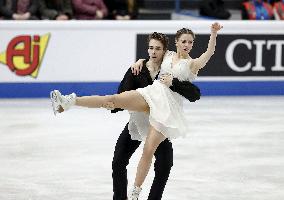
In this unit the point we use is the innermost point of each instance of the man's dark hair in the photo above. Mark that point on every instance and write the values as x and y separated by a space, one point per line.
160 37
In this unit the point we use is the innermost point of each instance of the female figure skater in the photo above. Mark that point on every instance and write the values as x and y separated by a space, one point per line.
125 145
163 105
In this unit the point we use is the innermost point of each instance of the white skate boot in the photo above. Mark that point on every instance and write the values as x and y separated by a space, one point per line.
134 194
60 101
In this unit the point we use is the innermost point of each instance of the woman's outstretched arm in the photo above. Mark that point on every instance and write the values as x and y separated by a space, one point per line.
200 62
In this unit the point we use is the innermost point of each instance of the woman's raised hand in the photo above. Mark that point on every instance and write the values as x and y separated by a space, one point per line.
216 27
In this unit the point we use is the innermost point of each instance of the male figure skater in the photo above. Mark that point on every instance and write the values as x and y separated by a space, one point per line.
125 146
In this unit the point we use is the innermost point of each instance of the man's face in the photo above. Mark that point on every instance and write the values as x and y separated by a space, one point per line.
156 50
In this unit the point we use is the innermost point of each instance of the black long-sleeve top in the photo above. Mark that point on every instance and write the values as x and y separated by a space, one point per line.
143 79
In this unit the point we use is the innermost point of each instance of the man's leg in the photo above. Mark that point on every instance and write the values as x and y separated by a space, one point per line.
162 166
124 149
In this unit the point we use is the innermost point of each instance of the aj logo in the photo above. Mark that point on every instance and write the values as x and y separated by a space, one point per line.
24 54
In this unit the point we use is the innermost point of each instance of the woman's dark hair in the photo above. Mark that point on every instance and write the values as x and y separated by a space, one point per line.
160 37
184 31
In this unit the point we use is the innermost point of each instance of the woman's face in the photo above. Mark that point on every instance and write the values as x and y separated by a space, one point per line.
184 43
156 50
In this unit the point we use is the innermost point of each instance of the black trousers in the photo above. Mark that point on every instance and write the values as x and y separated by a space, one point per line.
124 149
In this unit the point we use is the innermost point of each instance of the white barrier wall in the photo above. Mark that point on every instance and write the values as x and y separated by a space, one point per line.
80 52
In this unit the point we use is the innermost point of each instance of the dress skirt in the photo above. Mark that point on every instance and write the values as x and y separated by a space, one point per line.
166 113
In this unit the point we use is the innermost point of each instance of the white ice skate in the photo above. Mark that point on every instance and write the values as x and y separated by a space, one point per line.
135 193
61 101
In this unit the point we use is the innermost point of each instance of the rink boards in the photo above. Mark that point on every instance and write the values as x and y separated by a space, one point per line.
92 57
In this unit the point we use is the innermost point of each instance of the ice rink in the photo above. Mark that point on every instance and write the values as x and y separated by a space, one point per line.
234 151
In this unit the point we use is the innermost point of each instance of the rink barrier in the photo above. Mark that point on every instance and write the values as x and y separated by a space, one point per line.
208 88
91 57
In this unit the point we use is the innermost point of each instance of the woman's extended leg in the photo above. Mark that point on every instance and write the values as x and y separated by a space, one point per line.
152 142
129 100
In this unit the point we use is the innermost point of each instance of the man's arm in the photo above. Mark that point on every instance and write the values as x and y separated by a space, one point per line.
185 88
133 82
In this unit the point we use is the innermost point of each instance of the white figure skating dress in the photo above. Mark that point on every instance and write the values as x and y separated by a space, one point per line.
166 107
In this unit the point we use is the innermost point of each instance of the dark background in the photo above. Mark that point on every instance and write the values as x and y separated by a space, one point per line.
217 66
